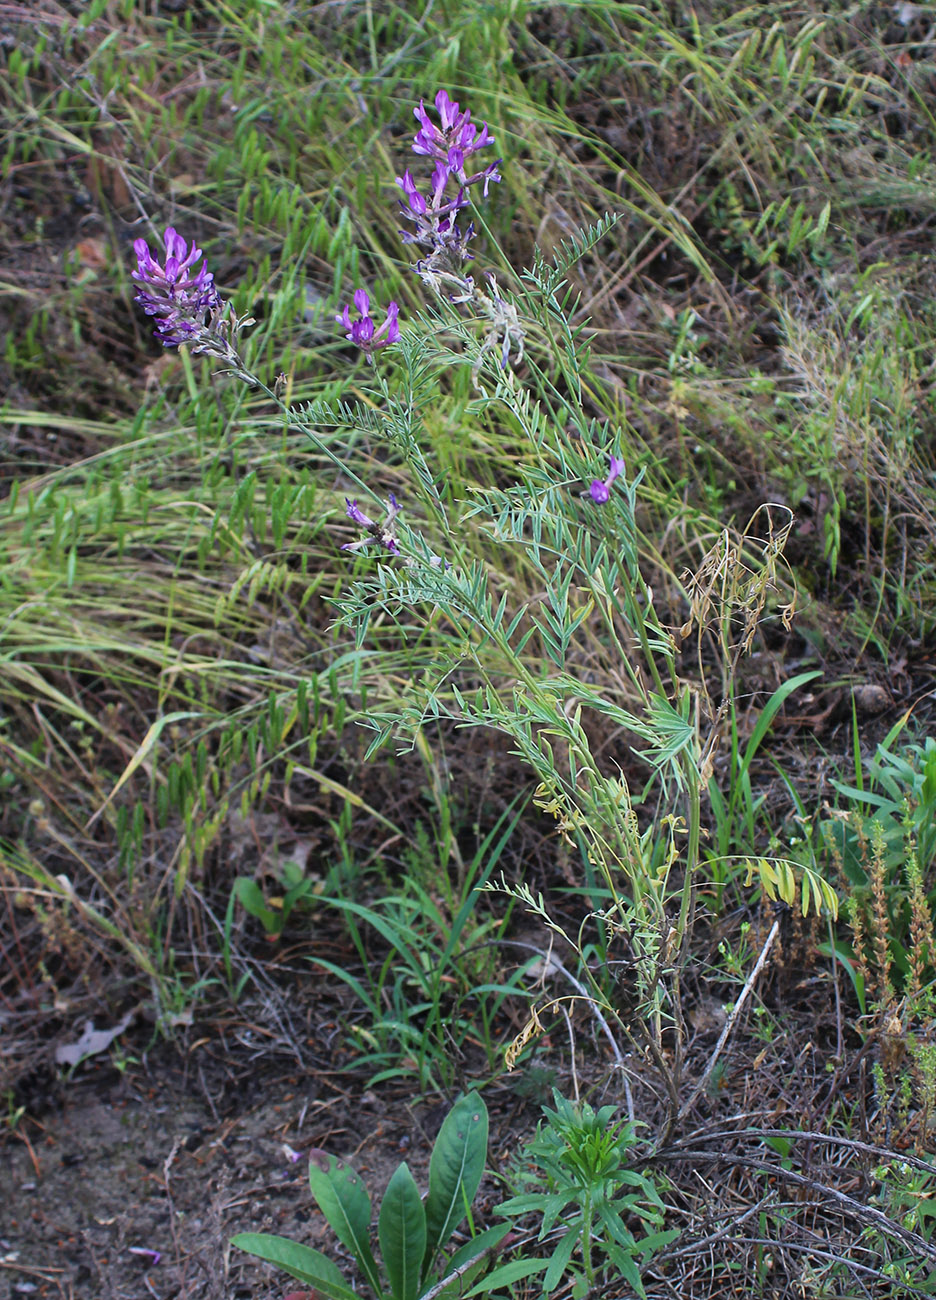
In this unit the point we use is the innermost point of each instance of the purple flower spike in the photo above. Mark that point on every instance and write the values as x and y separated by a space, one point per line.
174 292
381 533
456 141
362 332
599 491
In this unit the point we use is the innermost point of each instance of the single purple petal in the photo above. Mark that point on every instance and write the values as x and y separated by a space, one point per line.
447 110
618 467
389 327
423 118
145 263
154 1255
440 178
362 301
414 198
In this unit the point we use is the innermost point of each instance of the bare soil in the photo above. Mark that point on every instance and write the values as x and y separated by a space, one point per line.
176 1154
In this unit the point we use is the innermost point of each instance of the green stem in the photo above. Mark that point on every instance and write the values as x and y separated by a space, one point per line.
587 1216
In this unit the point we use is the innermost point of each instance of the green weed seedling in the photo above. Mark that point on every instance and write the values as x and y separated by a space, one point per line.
577 1172
412 1232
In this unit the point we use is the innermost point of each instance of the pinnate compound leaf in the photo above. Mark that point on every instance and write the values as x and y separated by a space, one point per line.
343 1199
455 1169
301 1262
402 1232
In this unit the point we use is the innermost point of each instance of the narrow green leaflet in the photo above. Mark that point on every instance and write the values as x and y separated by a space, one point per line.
559 1261
402 1232
301 1262
515 1271
472 1251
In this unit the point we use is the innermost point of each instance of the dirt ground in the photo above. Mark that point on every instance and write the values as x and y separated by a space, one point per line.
132 1183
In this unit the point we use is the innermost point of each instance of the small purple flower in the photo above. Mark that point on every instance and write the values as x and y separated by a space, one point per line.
451 142
457 139
434 219
600 492
381 533
362 332
174 291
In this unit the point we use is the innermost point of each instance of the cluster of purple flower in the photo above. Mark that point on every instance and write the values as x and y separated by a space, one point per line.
451 145
175 292
188 307
186 302
362 331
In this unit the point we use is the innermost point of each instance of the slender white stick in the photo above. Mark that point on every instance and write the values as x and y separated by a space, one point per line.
730 1022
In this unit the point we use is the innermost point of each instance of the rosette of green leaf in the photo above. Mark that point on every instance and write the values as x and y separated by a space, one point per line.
412 1233
578 1171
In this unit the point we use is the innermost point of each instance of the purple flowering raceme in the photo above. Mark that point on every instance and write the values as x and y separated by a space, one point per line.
600 491
383 533
174 291
434 220
434 217
457 140
363 331
186 302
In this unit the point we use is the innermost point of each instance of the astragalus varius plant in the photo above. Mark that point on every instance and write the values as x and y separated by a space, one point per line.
591 654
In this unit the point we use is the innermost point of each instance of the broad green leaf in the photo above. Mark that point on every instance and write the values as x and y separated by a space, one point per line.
455 1170
343 1199
402 1232
301 1262
786 882
250 896
553 1205
769 712
614 1227
841 952
822 892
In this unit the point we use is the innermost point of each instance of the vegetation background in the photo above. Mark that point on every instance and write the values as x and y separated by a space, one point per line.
194 851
